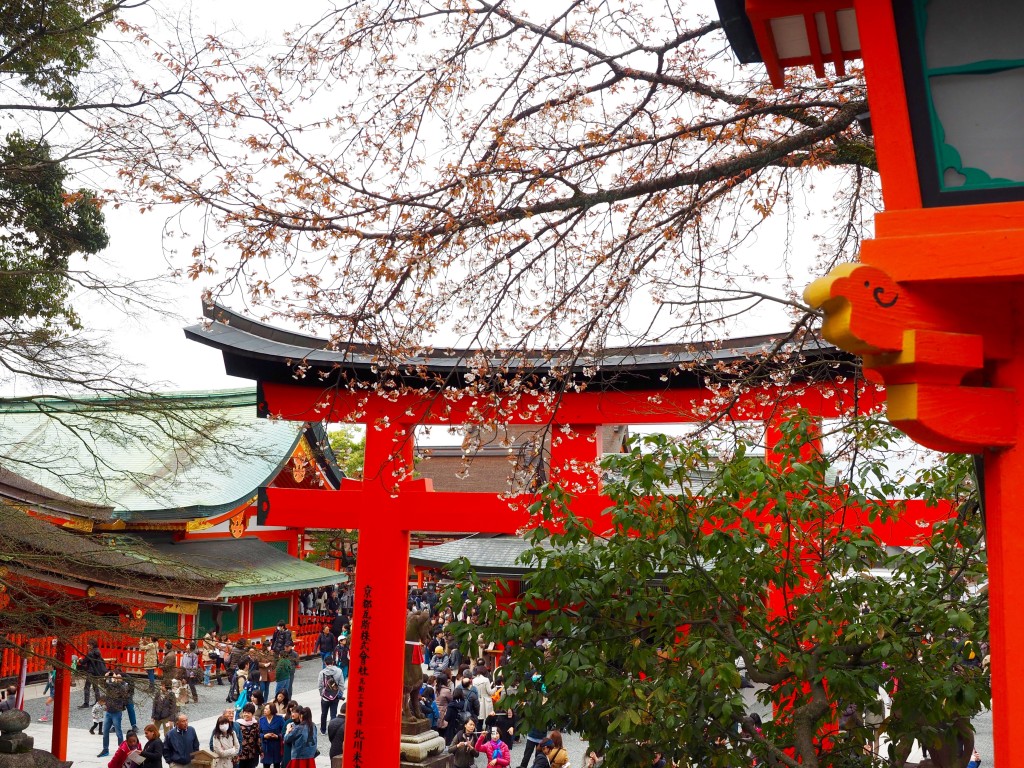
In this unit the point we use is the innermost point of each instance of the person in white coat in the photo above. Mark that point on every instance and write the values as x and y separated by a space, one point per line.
225 743
482 683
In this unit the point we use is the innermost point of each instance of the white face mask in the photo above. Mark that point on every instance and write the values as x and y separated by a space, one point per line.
224 727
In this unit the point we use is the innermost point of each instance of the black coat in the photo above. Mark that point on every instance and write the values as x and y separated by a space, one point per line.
94 663
280 639
337 624
154 753
326 643
336 733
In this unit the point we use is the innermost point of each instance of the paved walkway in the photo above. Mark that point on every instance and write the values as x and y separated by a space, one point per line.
83 747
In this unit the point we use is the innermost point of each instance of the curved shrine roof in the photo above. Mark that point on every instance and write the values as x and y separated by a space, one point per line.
258 351
165 457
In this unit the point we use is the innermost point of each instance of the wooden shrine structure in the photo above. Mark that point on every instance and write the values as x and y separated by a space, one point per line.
300 378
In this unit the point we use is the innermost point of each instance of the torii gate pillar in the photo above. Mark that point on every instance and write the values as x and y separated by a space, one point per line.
385 507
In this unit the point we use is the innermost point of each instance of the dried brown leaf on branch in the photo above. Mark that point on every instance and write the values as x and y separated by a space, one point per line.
503 174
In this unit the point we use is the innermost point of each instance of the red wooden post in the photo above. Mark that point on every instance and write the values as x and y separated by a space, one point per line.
1004 543
378 617
61 702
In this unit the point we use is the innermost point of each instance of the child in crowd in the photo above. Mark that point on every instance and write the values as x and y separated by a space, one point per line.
48 712
98 710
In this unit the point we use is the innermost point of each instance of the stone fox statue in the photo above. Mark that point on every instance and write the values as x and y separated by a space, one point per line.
417 633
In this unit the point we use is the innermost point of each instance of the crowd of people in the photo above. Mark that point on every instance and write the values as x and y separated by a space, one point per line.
466 700
278 732
326 601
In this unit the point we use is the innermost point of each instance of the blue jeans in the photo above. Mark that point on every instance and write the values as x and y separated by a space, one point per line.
151 674
111 720
325 656
344 670
130 709
283 685
265 687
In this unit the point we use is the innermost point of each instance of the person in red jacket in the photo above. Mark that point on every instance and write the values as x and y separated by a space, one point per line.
496 750
130 744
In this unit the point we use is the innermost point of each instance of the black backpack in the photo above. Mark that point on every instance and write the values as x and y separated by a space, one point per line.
331 688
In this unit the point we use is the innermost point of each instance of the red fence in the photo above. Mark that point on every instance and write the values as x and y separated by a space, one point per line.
122 651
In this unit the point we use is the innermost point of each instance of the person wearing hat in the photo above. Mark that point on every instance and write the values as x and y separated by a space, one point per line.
494 749
540 759
439 662
343 655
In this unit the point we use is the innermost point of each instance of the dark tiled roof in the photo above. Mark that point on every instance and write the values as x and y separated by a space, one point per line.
258 351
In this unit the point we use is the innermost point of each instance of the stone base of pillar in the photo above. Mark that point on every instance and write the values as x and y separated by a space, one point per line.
424 749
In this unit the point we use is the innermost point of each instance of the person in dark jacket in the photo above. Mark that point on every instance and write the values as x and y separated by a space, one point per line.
454 715
181 743
129 700
505 721
94 668
336 733
282 636
338 624
534 737
238 659
153 751
343 656
326 644
540 758
116 695
165 707
463 747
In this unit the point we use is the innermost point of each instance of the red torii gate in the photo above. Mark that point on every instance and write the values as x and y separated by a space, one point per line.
388 504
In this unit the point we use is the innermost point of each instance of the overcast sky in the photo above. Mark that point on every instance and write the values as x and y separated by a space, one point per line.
155 342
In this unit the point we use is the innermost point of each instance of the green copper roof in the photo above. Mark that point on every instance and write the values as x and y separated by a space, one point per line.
267 568
156 457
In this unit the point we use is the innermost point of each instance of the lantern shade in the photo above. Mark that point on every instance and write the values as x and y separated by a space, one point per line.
963 65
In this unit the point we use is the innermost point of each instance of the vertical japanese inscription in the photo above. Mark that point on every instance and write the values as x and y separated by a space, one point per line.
363 667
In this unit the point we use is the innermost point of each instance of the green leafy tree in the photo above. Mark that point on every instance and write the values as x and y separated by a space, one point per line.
754 567
44 49
349 446
46 44
42 226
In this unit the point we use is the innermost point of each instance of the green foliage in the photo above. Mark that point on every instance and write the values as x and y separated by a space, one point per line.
45 47
46 44
41 227
349 446
764 563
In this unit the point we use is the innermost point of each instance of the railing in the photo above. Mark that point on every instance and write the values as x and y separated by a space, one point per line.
37 650
122 651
